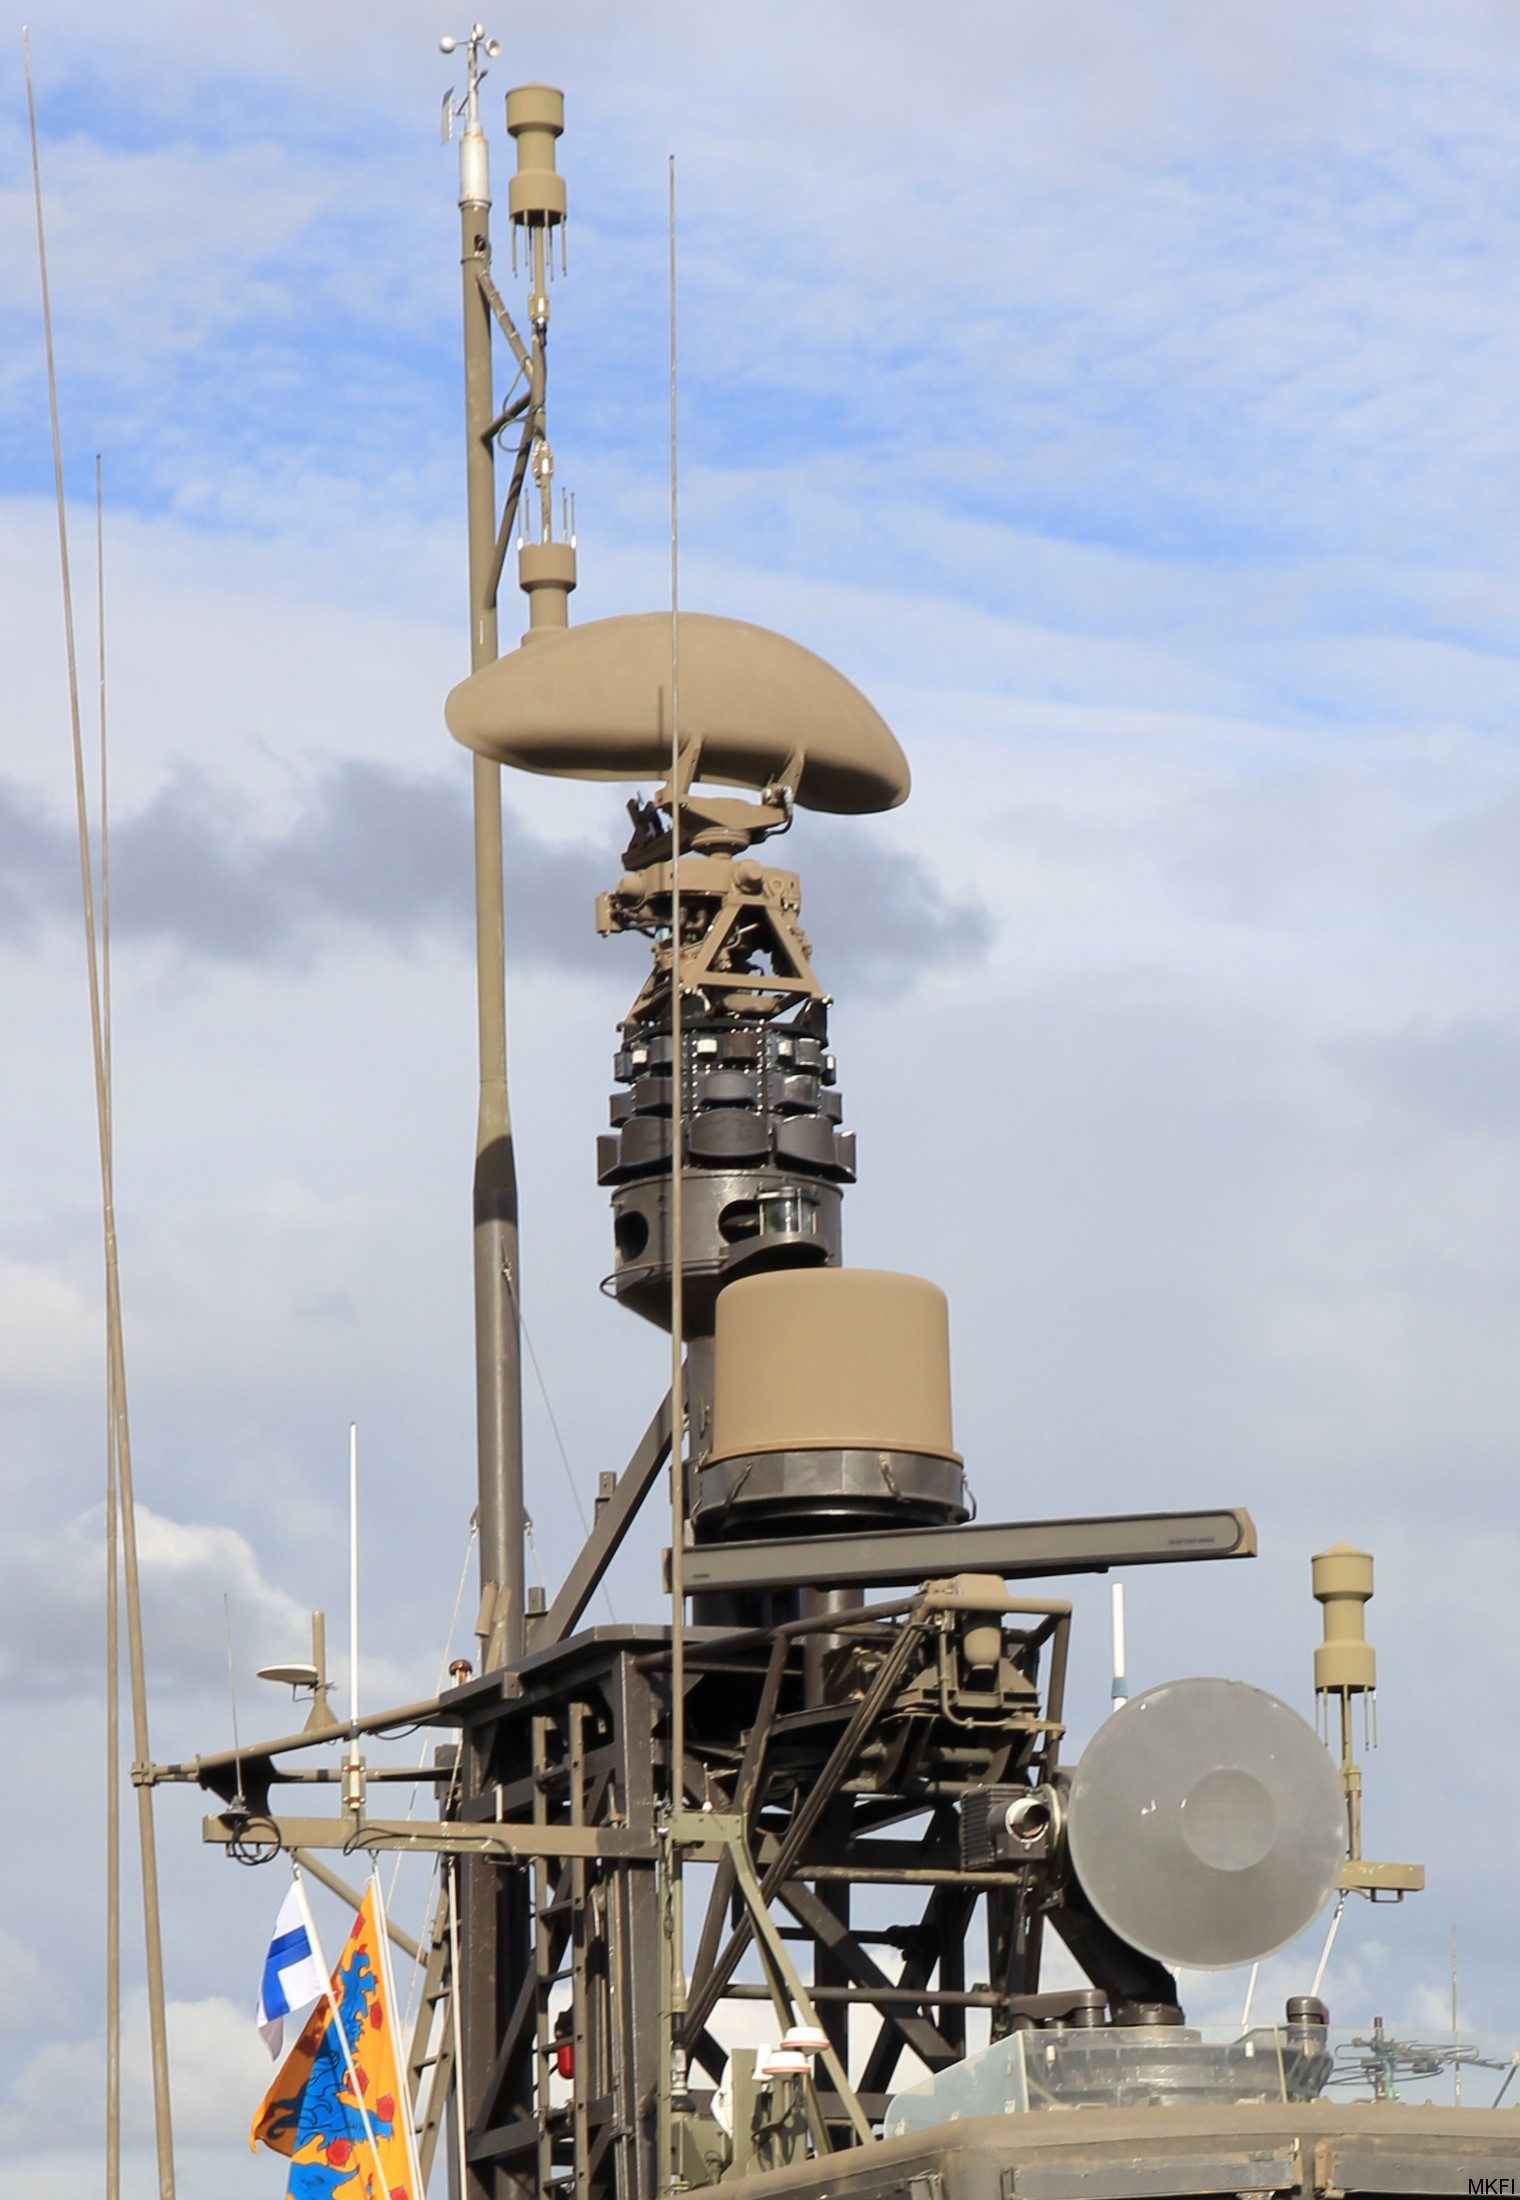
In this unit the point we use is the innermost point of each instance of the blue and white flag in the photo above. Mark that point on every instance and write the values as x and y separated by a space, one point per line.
293 1974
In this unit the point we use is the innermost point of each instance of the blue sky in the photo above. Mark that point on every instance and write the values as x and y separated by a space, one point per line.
1124 397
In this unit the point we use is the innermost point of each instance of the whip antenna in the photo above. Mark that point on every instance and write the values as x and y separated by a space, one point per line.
113 1535
674 1927
117 1386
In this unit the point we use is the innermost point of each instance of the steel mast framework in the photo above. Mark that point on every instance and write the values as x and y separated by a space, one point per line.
836 1747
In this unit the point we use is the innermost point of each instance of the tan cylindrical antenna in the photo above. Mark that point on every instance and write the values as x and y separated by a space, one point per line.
536 204
1345 1663
546 575
535 118
1345 1666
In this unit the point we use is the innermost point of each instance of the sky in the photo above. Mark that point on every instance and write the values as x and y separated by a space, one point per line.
1123 397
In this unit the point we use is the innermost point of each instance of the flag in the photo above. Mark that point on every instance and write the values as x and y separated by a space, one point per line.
293 1974
338 2107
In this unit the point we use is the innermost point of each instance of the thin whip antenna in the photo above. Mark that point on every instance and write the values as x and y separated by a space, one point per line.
677 1098
113 1536
353 1578
237 1748
677 1235
163 2133
105 805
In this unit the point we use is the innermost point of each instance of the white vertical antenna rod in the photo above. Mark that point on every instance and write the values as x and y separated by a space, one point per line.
1120 1690
353 1574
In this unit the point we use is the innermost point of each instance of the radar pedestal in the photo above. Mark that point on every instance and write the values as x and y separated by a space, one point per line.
761 1145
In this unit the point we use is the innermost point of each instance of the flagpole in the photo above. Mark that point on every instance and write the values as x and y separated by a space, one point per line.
332 2002
388 1987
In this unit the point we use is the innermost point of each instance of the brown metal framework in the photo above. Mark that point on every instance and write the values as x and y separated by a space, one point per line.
827 1758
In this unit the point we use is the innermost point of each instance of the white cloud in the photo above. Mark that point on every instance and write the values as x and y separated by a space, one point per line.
218 2071
26 1998
53 1601
50 1332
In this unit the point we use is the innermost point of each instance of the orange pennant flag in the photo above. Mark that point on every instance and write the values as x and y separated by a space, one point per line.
338 2107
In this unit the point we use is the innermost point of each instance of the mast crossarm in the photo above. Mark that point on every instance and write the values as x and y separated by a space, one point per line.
502 1843
207 1771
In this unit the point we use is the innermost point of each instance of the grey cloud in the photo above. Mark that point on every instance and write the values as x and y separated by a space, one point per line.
390 852
876 914
375 847
1461 1076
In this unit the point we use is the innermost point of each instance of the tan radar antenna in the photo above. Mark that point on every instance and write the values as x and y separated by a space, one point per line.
1345 1667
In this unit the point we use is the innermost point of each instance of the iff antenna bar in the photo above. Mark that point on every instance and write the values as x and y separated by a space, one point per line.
1016 1550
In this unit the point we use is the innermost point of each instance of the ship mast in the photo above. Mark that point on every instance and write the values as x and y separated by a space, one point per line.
535 117
800 1744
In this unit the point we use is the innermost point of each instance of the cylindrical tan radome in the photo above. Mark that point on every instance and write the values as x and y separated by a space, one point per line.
1345 1662
536 117
546 574
832 1359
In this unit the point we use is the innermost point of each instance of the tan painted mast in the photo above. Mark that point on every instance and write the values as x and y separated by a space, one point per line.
498 1355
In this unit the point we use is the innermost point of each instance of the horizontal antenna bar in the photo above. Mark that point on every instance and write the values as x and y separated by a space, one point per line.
1016 1550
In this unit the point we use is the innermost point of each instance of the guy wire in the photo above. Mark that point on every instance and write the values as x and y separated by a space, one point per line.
116 1377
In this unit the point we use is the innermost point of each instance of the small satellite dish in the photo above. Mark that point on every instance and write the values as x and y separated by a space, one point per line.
290 1676
1206 1823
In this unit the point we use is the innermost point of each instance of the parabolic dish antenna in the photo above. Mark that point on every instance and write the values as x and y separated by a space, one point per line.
1206 1823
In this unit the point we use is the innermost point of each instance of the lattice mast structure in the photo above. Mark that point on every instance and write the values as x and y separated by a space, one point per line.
870 1782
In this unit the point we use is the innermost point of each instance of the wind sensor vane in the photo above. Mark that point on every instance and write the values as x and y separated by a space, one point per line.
474 44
